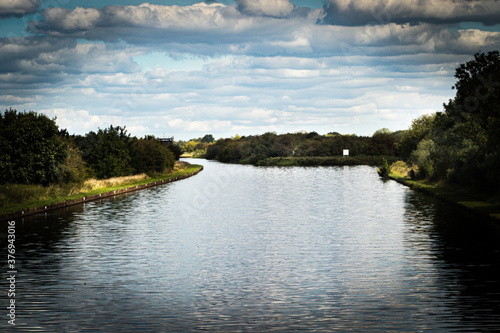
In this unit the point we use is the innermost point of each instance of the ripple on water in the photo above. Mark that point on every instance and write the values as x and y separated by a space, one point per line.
239 248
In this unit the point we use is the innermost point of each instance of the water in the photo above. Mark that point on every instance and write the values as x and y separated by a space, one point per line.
245 249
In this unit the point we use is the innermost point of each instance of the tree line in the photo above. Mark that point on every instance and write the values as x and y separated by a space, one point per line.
253 149
35 151
461 145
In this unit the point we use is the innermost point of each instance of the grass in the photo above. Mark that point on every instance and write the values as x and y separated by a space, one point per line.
462 197
14 197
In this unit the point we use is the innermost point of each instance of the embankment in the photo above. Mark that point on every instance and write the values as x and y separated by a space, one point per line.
482 206
46 205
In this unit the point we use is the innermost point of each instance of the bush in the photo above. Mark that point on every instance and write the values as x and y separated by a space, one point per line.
150 155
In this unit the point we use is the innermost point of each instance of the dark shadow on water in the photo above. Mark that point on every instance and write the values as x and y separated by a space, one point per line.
466 251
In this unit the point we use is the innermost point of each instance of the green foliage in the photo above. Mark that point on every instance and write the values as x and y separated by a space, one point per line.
189 146
461 145
420 129
424 157
73 169
150 155
255 149
176 150
208 138
382 143
32 149
383 131
385 170
107 152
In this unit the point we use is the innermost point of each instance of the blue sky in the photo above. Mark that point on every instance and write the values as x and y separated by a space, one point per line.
188 68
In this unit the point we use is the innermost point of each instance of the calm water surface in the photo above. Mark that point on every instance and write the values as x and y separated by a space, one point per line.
246 249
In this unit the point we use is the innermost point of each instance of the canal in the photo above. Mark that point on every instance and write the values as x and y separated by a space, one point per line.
258 249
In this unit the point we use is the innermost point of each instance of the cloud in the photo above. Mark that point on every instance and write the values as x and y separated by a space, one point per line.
275 8
18 7
49 59
362 12
264 66
216 29
199 29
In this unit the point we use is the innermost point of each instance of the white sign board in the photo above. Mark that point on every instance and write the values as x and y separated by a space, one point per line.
346 152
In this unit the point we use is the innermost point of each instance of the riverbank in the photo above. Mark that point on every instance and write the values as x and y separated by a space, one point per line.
481 204
31 199
326 161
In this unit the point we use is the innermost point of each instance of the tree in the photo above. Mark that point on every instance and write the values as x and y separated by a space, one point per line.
462 144
176 150
208 138
73 169
32 149
420 129
190 146
107 152
149 156
423 157
382 143
473 118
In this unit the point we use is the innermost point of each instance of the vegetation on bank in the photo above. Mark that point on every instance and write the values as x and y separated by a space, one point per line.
455 154
42 164
302 148
35 151
468 198
16 197
460 147
196 148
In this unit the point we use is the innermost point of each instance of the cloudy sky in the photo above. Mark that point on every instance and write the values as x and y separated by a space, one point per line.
188 68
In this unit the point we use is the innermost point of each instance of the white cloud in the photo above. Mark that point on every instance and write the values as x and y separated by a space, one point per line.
18 7
259 66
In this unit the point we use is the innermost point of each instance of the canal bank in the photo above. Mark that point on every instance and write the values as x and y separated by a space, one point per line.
457 198
47 205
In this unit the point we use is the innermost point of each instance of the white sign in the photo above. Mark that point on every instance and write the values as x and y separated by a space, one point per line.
346 152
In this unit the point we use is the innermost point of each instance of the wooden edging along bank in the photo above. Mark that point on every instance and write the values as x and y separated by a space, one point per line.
66 203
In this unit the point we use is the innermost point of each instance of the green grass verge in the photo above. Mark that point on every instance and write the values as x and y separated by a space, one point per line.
465 198
22 197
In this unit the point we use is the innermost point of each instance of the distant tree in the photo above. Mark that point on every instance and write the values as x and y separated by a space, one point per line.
383 131
190 146
382 143
31 148
208 138
311 135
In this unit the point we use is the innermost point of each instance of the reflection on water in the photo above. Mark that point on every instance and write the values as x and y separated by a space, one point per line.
239 248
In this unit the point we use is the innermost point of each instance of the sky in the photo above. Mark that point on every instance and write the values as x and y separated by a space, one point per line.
247 67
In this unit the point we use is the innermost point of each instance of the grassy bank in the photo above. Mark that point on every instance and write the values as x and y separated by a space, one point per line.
325 161
465 198
15 198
